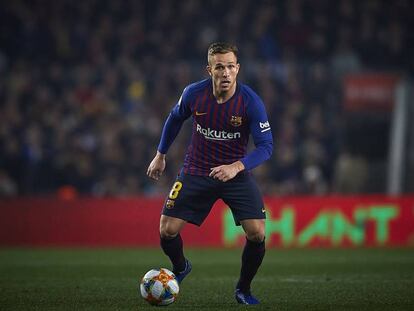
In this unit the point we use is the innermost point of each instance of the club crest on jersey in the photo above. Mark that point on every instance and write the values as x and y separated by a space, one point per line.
236 121
169 204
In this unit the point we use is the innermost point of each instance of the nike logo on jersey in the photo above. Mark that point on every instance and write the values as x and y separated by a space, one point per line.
200 113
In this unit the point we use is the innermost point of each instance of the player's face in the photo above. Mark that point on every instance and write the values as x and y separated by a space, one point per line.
223 69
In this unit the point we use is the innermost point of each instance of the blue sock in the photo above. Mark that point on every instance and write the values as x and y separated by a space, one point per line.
252 258
173 248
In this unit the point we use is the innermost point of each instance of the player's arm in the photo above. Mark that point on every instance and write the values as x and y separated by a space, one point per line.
171 128
261 133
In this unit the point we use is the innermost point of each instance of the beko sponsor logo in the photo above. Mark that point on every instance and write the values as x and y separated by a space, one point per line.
265 126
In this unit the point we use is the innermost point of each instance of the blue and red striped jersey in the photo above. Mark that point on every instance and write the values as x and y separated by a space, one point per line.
220 132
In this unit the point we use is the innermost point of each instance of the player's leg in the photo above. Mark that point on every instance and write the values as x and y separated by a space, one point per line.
189 201
171 242
245 201
253 252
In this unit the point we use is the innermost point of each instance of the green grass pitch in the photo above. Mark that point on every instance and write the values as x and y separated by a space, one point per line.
294 279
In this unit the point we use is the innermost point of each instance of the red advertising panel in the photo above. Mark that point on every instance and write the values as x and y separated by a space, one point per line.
369 92
373 221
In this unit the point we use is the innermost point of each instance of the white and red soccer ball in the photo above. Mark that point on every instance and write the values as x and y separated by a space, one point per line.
159 287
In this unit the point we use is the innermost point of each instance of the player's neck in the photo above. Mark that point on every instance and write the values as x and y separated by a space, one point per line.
222 97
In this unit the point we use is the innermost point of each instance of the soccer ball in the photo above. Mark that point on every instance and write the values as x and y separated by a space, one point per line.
159 287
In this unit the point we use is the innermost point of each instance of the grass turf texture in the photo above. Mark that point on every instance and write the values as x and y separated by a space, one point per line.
297 279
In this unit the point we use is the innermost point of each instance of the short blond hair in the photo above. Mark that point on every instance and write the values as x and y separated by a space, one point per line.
221 48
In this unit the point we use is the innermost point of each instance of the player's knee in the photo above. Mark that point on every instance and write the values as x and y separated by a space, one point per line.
167 232
256 236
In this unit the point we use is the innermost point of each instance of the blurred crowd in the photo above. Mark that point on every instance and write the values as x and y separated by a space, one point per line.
85 86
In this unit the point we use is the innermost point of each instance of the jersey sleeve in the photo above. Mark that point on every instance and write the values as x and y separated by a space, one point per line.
175 120
261 132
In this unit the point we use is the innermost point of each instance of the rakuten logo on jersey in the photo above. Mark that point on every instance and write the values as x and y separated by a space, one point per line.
264 126
208 133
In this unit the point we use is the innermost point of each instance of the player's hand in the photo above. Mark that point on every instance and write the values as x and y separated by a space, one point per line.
157 166
226 172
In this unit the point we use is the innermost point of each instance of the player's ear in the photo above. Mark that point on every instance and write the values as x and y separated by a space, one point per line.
208 68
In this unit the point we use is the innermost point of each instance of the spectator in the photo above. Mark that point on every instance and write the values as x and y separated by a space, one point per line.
85 86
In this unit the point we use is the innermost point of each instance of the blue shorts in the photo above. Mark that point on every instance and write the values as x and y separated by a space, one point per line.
192 197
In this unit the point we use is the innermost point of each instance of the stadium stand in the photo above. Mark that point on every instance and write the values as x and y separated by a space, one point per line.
85 86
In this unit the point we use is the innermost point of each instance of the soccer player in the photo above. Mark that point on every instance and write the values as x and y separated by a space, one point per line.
216 166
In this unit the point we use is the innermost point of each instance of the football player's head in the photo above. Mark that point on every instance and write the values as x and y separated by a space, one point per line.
223 66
